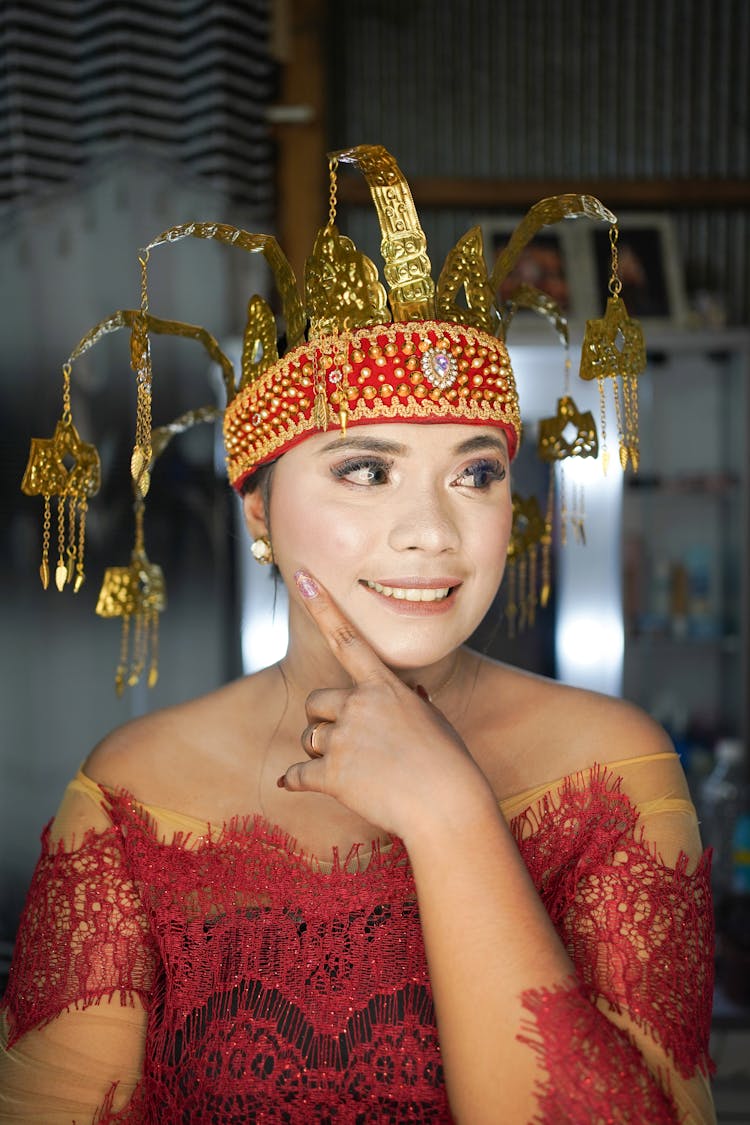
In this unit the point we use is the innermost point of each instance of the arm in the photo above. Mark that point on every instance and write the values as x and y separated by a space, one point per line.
622 1034
74 1015
504 977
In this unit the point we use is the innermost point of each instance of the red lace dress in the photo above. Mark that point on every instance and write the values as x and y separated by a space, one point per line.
166 972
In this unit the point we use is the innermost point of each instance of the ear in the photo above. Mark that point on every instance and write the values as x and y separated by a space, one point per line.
255 513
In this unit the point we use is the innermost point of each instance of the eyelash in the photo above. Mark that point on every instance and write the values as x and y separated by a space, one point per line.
492 469
355 464
495 470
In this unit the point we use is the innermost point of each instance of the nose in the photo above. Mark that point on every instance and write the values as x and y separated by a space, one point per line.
423 521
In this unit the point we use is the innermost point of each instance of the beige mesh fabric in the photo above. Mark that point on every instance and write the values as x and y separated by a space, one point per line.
65 1070
657 788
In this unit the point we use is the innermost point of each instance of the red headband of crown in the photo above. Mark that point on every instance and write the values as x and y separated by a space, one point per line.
421 371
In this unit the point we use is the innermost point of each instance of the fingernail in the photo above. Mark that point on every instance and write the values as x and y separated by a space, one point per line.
306 585
281 782
422 692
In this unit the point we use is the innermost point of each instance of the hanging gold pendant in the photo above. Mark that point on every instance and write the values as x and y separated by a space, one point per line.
613 348
137 594
613 345
568 433
528 531
320 410
139 468
66 467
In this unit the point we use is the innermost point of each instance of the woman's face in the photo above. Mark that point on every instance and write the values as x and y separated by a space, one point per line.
406 525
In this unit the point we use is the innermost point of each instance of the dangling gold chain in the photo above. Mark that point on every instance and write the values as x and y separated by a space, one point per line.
140 360
615 285
333 163
603 424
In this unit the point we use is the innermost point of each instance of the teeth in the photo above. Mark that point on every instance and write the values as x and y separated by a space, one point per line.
410 594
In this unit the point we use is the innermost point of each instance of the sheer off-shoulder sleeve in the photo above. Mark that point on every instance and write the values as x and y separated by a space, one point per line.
617 858
73 1017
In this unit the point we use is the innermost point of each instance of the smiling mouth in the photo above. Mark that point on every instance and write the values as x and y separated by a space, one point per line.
411 593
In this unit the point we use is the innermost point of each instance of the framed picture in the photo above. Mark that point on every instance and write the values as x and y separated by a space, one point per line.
550 262
649 268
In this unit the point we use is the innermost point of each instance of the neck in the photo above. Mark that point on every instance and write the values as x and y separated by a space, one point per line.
308 666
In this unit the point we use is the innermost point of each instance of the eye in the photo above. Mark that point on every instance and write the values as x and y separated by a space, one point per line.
364 471
481 473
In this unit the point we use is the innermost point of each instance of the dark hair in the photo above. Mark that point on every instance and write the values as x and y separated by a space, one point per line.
260 481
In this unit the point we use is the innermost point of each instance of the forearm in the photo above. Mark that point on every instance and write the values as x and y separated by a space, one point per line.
66 1070
516 1031
488 940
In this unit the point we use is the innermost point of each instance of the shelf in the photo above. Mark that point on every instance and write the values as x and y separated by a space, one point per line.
729 642
709 484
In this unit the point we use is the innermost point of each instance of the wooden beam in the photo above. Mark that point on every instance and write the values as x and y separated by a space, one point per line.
495 195
300 132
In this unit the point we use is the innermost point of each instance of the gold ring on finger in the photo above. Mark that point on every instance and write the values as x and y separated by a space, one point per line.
313 751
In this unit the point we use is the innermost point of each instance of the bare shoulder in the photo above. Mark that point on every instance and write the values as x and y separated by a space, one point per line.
535 730
170 756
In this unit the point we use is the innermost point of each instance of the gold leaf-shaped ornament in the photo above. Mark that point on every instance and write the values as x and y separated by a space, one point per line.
259 346
342 286
465 269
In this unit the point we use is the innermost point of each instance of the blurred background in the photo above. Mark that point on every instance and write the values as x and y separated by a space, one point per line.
122 120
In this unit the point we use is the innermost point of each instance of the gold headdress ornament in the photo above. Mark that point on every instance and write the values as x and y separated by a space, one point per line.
355 353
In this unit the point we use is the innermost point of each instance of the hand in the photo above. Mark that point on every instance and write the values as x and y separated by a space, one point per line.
378 747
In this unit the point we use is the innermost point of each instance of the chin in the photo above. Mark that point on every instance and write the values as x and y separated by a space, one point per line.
409 647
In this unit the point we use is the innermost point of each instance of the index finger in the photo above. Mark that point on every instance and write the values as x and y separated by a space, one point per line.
349 647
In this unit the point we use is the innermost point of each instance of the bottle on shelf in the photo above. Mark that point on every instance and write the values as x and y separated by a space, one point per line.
723 797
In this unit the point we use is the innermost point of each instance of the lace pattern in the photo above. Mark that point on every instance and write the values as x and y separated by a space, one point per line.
639 933
281 993
286 994
593 1073
82 935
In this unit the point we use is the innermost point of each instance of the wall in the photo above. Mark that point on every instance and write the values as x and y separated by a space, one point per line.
558 89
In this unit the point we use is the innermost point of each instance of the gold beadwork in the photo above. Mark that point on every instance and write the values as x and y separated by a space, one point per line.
325 357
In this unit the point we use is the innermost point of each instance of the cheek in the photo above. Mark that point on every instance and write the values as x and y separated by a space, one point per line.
308 532
491 538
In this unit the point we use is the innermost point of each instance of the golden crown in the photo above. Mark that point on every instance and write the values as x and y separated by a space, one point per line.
353 354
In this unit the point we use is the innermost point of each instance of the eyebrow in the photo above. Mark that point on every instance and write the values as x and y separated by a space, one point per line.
373 445
481 441
396 449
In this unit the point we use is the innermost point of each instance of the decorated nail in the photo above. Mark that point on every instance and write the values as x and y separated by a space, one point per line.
306 585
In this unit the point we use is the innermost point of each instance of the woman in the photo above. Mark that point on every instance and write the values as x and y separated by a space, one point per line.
387 879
